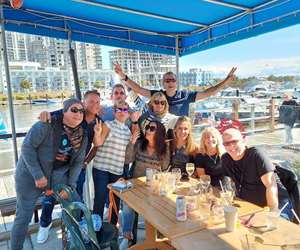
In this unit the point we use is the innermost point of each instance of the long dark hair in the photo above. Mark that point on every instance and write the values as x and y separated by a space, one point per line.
159 140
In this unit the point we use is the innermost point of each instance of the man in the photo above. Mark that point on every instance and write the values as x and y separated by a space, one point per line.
250 169
179 100
288 116
91 103
51 153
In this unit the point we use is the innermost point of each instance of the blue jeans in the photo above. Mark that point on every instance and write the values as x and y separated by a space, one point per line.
80 182
288 134
286 213
47 208
101 180
127 218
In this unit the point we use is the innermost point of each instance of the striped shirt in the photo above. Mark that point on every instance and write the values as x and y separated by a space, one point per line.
110 156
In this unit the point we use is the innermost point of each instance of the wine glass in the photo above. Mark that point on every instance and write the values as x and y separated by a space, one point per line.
205 181
190 168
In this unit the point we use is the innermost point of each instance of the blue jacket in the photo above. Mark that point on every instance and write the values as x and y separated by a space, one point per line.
38 154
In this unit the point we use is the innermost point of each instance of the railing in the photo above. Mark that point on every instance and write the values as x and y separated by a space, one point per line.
268 108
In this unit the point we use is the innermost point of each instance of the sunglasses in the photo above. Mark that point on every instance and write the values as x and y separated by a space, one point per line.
119 110
76 110
119 93
151 128
228 143
170 80
157 102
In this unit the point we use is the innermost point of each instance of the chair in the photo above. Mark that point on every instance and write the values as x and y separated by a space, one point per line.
72 212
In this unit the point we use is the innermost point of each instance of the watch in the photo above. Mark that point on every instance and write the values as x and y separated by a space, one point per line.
136 122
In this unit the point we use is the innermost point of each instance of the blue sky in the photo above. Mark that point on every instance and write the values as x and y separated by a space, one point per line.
276 52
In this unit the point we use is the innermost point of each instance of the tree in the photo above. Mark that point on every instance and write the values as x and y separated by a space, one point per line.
25 84
99 84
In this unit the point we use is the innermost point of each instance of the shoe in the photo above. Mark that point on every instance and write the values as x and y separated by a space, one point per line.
43 234
124 244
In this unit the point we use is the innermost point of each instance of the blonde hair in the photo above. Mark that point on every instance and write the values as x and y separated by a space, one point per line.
154 97
214 132
121 102
191 147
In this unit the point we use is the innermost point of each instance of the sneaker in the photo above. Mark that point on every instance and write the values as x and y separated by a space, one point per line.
43 234
124 244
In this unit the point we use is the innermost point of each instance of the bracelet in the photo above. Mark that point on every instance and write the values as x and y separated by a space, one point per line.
125 78
136 122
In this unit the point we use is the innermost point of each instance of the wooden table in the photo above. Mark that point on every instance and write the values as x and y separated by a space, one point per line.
160 214
286 236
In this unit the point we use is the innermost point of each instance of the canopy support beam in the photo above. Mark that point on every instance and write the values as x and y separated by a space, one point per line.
177 58
74 67
9 88
231 5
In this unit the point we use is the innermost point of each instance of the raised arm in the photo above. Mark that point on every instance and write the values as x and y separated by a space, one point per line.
269 181
131 84
215 89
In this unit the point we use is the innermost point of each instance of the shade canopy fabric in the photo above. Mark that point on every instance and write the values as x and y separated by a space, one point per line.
154 26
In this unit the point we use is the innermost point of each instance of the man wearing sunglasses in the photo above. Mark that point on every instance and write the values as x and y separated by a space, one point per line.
252 172
51 153
179 100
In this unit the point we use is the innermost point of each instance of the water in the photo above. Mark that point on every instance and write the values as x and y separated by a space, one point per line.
25 117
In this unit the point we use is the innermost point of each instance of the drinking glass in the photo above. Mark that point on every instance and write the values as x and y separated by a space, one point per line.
190 168
177 173
205 181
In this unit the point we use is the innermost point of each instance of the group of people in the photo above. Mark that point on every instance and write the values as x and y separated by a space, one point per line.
58 148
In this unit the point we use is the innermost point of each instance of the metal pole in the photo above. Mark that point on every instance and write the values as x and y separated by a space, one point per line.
177 60
9 89
74 68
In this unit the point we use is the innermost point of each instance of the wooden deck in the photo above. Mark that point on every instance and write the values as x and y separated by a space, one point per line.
271 142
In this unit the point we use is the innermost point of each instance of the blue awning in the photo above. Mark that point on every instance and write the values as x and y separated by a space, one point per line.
154 26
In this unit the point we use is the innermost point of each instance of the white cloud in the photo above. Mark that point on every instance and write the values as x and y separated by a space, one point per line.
262 67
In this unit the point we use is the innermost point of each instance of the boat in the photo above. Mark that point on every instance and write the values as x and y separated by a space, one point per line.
43 102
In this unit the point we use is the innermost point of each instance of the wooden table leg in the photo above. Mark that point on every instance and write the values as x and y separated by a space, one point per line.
151 240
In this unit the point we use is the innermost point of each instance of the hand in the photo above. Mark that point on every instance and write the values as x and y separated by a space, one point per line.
45 116
119 70
41 183
231 76
63 194
134 116
135 135
98 127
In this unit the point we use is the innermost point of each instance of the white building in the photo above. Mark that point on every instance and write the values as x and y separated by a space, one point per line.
50 78
143 67
195 77
51 52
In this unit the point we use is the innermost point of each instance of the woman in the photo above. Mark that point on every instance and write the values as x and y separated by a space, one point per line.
208 161
158 110
183 149
110 156
151 151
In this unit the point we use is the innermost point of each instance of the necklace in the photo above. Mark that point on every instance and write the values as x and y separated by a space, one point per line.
214 159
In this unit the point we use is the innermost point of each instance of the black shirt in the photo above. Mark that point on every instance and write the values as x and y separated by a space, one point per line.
64 151
212 166
247 173
179 158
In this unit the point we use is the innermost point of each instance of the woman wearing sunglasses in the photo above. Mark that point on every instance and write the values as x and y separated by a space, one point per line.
110 156
150 151
183 149
208 161
158 110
